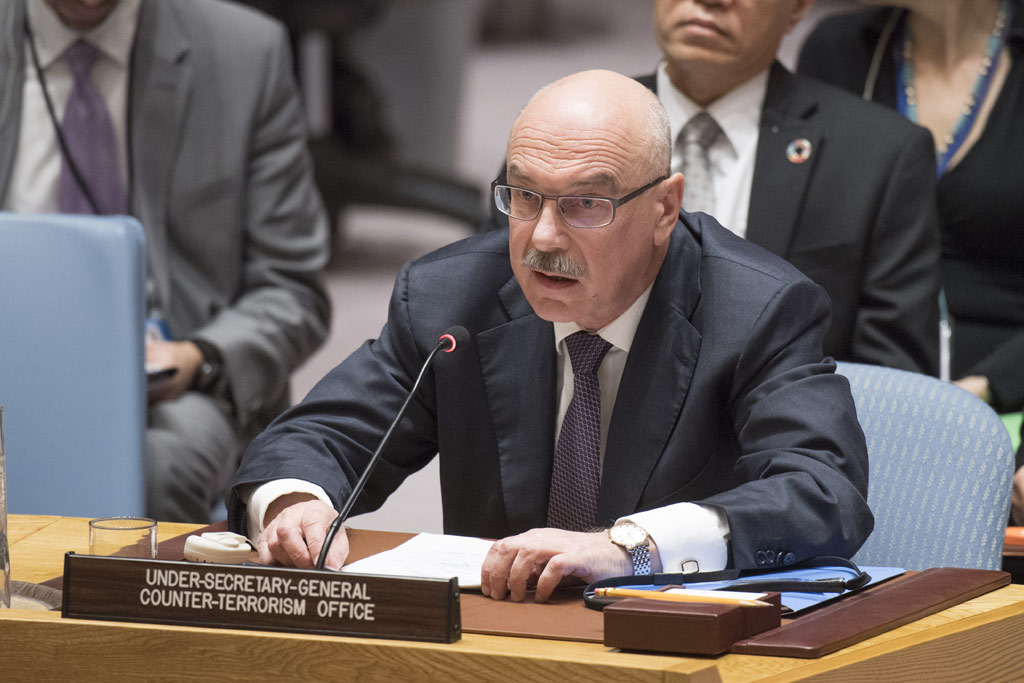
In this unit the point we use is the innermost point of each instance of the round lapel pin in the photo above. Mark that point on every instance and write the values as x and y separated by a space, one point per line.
799 151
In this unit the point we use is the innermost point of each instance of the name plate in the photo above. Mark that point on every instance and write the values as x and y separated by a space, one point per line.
259 597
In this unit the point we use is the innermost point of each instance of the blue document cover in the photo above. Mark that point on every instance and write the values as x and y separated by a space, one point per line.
794 602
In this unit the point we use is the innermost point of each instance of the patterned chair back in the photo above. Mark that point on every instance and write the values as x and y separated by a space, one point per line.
941 465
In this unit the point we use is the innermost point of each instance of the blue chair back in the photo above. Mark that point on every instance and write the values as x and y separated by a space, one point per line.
940 471
72 378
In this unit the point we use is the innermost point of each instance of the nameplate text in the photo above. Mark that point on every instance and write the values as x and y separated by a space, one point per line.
259 597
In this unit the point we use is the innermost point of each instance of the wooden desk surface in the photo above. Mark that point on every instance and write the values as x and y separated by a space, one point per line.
977 640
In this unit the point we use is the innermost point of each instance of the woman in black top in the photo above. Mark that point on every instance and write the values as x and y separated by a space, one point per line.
957 68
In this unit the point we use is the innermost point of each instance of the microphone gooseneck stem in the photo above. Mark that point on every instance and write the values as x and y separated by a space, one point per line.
332 530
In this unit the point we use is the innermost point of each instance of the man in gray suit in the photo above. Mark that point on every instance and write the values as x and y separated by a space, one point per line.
208 152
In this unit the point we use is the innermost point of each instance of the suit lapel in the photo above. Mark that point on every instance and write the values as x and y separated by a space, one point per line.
160 85
779 186
655 381
517 361
12 81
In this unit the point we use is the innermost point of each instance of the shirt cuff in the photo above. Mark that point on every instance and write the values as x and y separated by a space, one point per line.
687 533
260 499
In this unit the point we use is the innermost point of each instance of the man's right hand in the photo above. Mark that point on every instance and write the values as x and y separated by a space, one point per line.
294 529
185 356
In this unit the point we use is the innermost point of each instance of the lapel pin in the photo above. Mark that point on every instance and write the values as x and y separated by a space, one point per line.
798 151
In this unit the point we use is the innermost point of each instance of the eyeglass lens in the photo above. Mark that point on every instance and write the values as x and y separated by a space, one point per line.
580 212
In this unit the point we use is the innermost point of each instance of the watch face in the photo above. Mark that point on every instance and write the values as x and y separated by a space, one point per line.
628 535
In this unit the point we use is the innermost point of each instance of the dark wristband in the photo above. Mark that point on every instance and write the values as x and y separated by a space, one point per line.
209 379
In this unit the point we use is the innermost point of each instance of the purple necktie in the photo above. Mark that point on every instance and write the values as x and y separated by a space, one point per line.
576 473
90 138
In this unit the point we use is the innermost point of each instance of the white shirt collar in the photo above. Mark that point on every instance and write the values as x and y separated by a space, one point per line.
738 112
114 36
619 332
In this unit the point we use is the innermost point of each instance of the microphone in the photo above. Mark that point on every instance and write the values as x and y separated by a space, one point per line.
449 341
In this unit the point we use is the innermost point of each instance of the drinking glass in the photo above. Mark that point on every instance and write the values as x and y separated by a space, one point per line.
123 537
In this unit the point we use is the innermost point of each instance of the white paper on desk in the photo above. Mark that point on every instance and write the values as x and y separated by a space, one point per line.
429 556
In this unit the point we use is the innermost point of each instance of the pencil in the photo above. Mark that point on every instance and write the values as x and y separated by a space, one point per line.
677 597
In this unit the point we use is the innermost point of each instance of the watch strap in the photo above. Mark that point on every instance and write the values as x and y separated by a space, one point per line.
641 556
209 378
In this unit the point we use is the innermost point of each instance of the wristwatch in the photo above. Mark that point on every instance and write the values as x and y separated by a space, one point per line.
209 376
637 543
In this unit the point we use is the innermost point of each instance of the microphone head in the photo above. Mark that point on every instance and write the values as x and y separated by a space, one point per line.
456 336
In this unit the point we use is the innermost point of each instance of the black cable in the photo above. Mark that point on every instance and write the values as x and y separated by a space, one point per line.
375 458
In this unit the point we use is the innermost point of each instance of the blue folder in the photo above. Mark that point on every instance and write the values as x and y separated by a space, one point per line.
795 602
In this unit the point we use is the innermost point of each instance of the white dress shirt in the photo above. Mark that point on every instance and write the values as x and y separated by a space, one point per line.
35 178
732 156
683 532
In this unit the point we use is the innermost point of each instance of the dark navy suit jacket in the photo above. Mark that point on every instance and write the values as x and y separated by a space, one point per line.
724 400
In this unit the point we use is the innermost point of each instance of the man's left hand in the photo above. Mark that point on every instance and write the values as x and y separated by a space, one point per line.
549 555
183 355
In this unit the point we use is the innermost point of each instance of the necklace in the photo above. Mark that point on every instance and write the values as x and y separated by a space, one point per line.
907 93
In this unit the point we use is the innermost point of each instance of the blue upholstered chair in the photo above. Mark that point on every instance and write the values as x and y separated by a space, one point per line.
72 379
940 471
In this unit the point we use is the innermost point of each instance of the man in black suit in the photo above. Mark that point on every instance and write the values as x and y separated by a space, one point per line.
840 188
713 431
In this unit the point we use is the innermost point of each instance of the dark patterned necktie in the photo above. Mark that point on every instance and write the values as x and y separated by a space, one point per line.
695 139
576 473
89 133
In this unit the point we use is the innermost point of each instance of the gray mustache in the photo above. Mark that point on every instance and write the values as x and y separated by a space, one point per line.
554 262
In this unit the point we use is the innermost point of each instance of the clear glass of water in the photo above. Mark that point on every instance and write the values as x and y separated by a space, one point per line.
123 537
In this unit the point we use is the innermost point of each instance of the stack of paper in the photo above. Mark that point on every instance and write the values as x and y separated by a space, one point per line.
429 556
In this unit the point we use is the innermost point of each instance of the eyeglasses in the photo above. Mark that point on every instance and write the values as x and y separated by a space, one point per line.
579 211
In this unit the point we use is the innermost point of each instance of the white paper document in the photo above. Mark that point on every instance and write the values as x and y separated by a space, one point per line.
429 556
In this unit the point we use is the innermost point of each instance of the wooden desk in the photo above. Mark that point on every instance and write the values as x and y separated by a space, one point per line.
977 640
